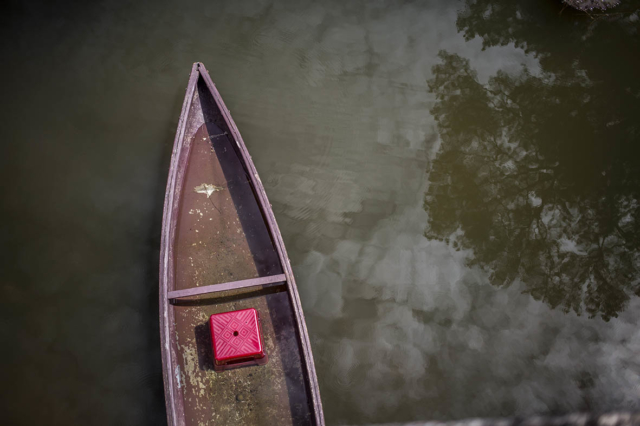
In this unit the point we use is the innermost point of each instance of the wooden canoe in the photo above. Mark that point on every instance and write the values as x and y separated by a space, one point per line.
222 251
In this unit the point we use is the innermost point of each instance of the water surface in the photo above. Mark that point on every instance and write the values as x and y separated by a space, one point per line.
456 182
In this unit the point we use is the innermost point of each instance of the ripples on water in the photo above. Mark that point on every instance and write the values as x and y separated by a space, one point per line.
405 184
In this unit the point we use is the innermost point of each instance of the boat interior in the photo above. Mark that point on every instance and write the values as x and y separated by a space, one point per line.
221 236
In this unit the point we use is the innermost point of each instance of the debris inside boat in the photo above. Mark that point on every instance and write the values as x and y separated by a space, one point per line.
207 188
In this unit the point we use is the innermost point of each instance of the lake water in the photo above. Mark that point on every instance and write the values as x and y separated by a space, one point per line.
457 183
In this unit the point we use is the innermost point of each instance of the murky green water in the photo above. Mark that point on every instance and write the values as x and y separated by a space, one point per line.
457 184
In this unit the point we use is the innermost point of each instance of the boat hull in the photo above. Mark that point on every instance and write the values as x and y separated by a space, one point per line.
222 251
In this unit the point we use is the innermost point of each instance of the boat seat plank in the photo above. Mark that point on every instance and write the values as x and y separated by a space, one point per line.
233 285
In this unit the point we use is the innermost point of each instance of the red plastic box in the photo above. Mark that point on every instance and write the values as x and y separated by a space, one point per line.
237 339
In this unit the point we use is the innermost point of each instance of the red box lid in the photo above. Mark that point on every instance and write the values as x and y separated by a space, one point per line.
235 335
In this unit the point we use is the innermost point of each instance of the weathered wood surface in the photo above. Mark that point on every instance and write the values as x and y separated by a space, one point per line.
219 233
233 285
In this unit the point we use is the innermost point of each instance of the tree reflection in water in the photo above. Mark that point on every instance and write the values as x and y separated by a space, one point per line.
539 173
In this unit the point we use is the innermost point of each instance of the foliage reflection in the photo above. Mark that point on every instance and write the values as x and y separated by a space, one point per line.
539 173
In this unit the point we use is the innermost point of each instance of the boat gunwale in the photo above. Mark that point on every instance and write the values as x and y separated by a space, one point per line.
175 413
175 403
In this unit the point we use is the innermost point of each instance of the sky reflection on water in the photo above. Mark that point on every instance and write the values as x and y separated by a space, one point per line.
423 301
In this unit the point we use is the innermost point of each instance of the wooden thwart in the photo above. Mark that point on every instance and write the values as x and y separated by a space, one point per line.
233 285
